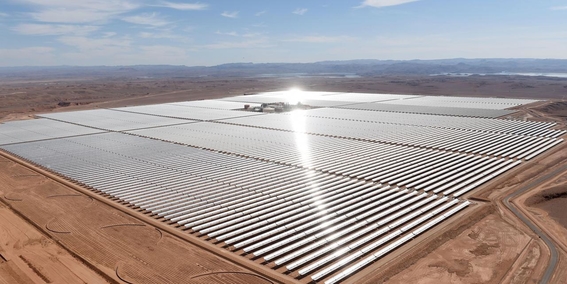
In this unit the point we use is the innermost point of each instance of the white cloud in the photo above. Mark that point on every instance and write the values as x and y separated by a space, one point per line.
319 39
383 3
251 35
97 5
43 29
157 54
235 34
84 11
162 52
128 55
184 6
35 50
226 33
71 16
260 13
3 14
161 35
557 8
95 44
230 14
248 44
109 34
27 56
152 19
300 11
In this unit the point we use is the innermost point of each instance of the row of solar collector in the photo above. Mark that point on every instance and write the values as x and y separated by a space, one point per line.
229 136
356 189
128 167
370 259
368 248
348 231
489 146
405 172
456 178
121 119
412 167
39 129
530 128
451 101
508 145
443 176
460 102
99 118
176 111
429 110
112 165
128 178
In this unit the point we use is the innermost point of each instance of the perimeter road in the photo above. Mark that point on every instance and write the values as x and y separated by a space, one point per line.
552 248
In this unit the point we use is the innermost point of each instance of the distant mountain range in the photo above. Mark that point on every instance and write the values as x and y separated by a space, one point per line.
363 68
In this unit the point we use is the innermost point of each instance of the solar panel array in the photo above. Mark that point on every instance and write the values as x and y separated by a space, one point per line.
532 128
268 99
466 102
435 110
39 129
182 112
388 164
459 140
440 105
297 217
111 120
317 194
211 104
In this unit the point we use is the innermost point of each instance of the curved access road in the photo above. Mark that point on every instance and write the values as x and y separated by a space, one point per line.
550 270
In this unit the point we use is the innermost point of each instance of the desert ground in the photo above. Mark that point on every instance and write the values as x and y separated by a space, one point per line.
52 231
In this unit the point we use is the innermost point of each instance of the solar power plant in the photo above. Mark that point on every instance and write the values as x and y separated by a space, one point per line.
437 110
466 102
106 119
362 97
417 168
458 140
39 129
272 99
465 123
315 195
182 112
334 96
211 104
318 99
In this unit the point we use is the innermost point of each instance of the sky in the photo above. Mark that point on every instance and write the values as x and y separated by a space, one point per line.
212 32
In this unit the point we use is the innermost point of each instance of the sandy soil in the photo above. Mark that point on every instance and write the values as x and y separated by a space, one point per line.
546 205
28 256
116 245
553 200
482 254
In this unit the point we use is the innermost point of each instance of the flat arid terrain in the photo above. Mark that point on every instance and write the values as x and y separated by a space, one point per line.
54 231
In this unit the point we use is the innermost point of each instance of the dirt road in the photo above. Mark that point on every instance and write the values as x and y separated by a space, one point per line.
550 270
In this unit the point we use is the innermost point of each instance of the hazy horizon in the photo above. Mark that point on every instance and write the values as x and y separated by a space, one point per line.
312 62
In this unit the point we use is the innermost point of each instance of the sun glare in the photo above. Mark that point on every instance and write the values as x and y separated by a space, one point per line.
294 96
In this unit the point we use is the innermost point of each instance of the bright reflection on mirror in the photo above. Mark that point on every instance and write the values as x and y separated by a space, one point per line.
299 127
298 124
294 96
